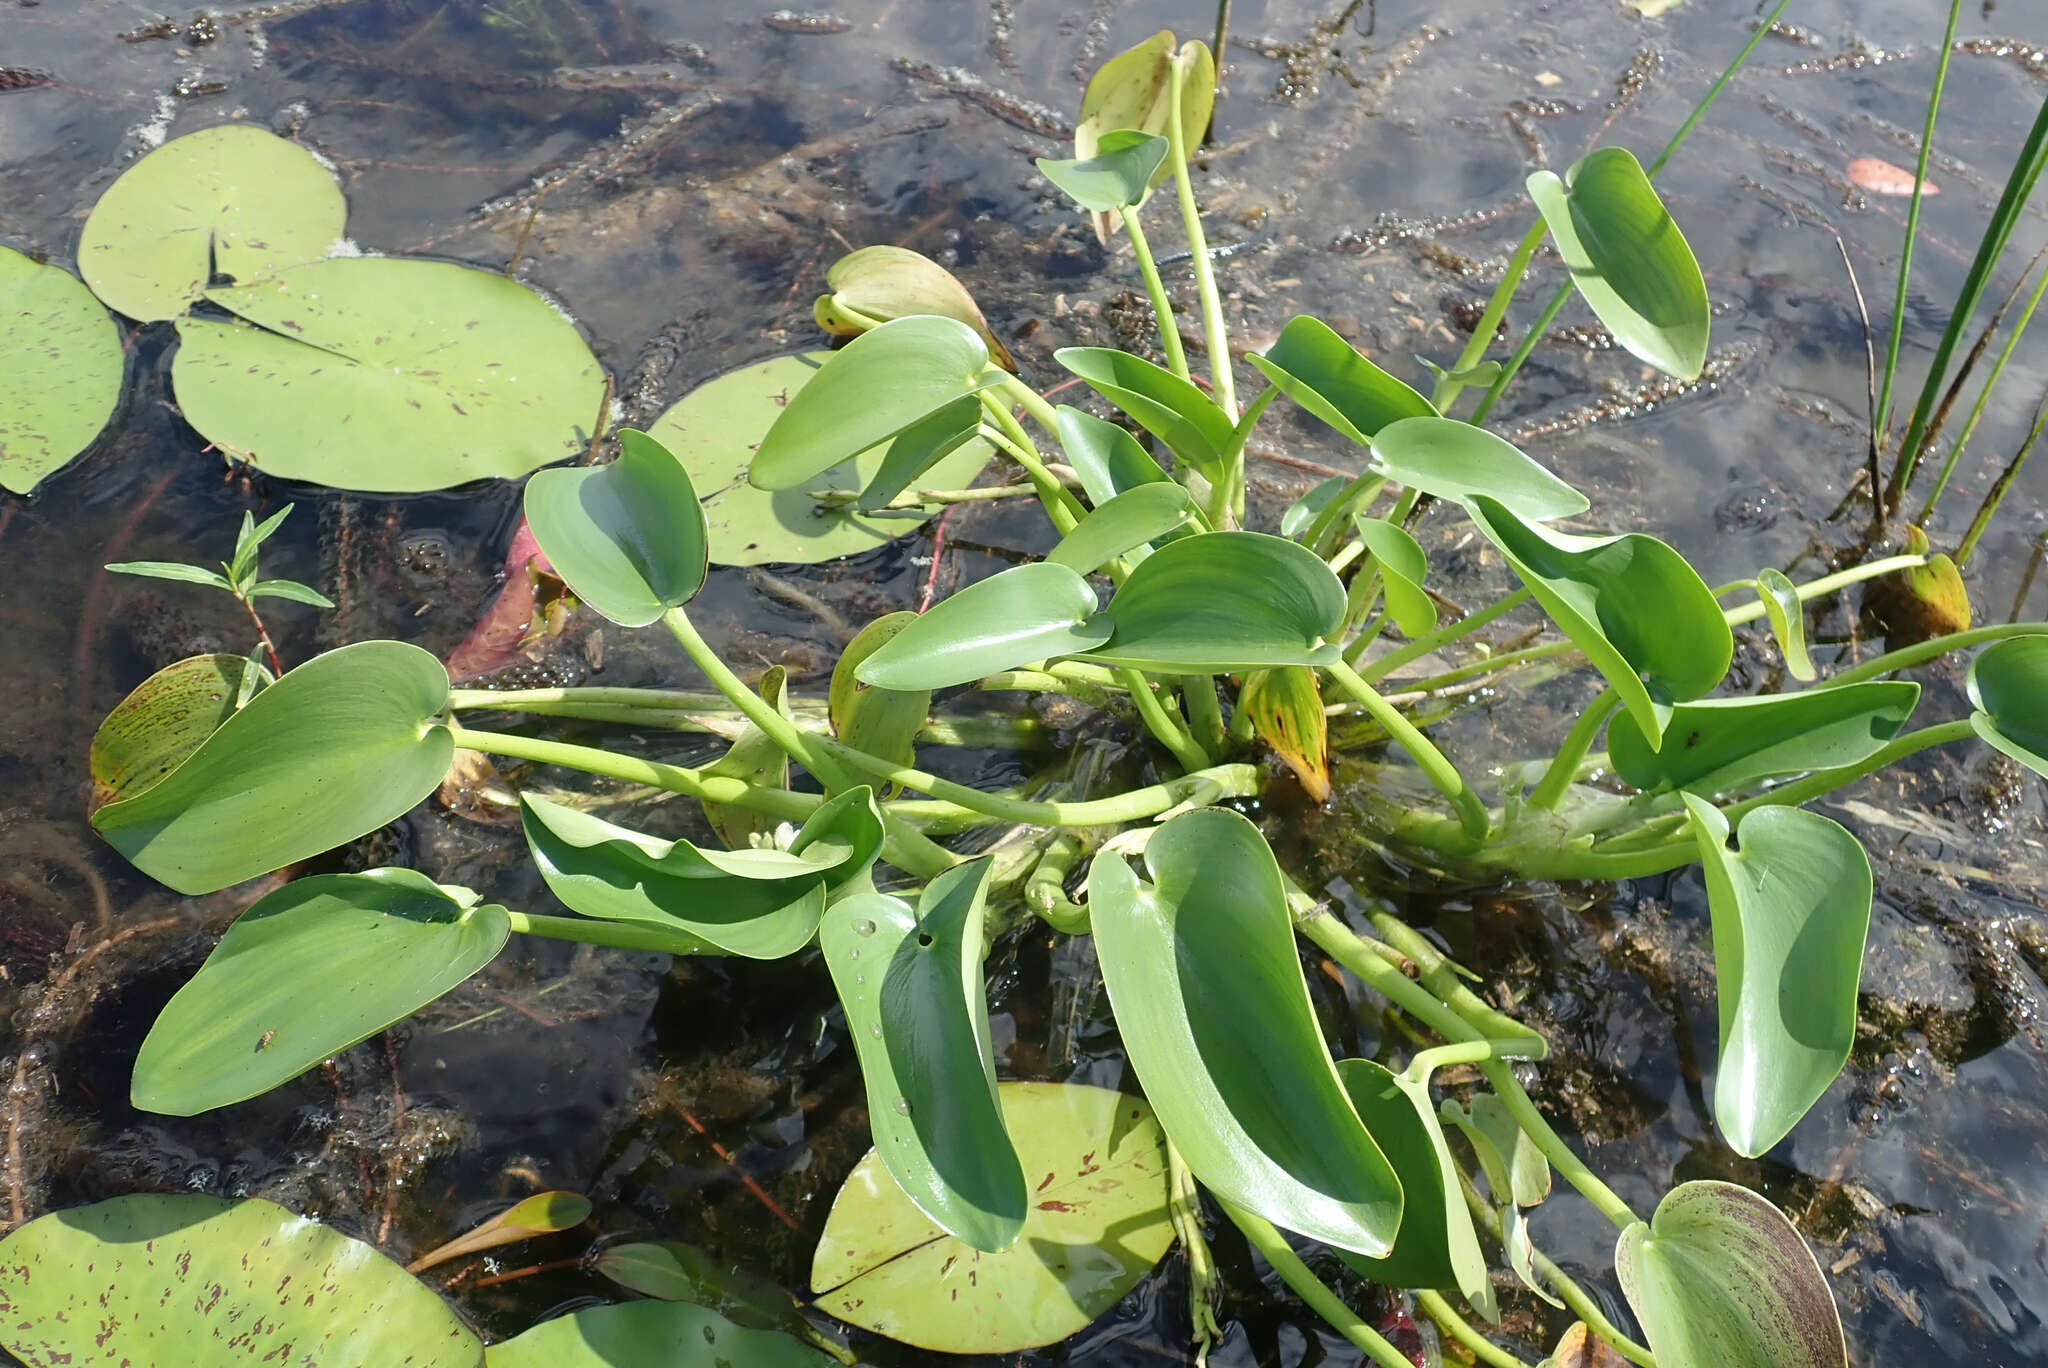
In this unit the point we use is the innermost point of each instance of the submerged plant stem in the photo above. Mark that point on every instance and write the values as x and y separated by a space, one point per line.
1379 669
1164 726
1451 1323
594 931
1273 1247
1564 766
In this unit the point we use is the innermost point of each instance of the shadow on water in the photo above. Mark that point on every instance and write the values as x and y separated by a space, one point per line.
679 175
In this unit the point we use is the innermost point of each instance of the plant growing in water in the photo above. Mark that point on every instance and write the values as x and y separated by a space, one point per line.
1213 636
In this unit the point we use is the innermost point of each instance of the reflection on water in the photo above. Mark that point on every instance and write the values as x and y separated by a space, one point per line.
680 175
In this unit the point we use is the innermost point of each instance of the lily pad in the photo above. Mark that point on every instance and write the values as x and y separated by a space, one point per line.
231 201
649 1332
62 358
151 731
2008 684
1095 1165
673 1271
714 430
203 1282
388 376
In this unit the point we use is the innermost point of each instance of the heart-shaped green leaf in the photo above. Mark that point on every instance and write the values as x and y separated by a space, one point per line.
884 381
1456 461
1170 408
1791 910
1118 176
336 748
1223 602
1026 613
648 1332
1628 258
1724 745
203 1282
757 903
882 722
1109 460
1437 1247
234 201
2008 683
63 361
1317 369
390 375
544 1213
151 731
1124 525
1207 986
883 283
754 758
307 972
628 538
1636 608
1787 616
1720 1279
1131 91
1097 1223
911 983
1402 566
918 448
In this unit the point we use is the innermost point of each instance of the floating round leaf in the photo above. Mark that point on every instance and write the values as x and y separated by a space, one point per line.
307 972
1317 369
1168 407
2009 684
911 983
1118 176
649 1332
1455 460
882 283
203 1282
673 1271
628 538
1791 910
1723 745
1026 613
336 748
1628 258
1223 602
151 731
1095 1165
388 376
62 358
232 201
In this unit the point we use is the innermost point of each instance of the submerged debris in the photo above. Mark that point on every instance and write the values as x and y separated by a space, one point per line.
807 21
963 84
24 78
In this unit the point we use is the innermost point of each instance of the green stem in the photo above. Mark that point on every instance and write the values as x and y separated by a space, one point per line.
1427 1062
1443 979
1521 354
1448 389
1217 339
1485 1350
1165 728
1384 977
1273 1247
1443 636
1367 484
1553 1146
1826 584
1908 656
1033 403
1564 766
617 935
1567 1288
1184 1210
1162 307
630 769
1441 772
1039 681
986 731
540 701
1205 715
1060 504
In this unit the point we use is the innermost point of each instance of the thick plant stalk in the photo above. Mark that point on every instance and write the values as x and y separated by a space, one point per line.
1155 289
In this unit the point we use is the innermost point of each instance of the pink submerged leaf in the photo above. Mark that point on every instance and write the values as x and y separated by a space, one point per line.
504 628
1882 178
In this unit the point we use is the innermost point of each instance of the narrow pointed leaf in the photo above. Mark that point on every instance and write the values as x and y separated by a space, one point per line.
1457 461
1170 408
1118 176
1301 515
310 970
918 448
1627 258
173 570
1109 460
151 731
2008 683
1030 612
628 538
1515 1168
1224 602
1642 615
1286 709
1207 986
760 904
911 982
1124 524
292 590
64 364
1724 745
885 283
754 758
1787 616
333 750
1332 379
1791 911
1720 1279
882 722
649 1332
1519 1250
884 381
544 1213
1402 566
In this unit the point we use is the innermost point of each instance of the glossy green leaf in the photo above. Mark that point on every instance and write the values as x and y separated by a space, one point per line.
2008 683
628 538
388 375
884 282
203 1282
1026 613
1207 986
1787 616
1097 1222
1109 460
1720 1279
1285 706
638 1334
884 381
1329 377
1641 614
1168 407
1437 1247
336 748
1627 258
1131 91
1456 461
1515 1168
310 970
757 903
1480 373
677 1272
234 201
1122 525
1224 602
151 731
714 430
1402 567
911 983
544 1213
753 758
291 590
63 361
918 448
1301 515
1724 745
1118 176
1791 911
882 722
177 571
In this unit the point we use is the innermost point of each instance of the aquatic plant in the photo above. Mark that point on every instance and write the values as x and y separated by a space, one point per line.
1195 922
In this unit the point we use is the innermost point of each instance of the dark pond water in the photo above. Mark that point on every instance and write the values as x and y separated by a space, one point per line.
703 164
